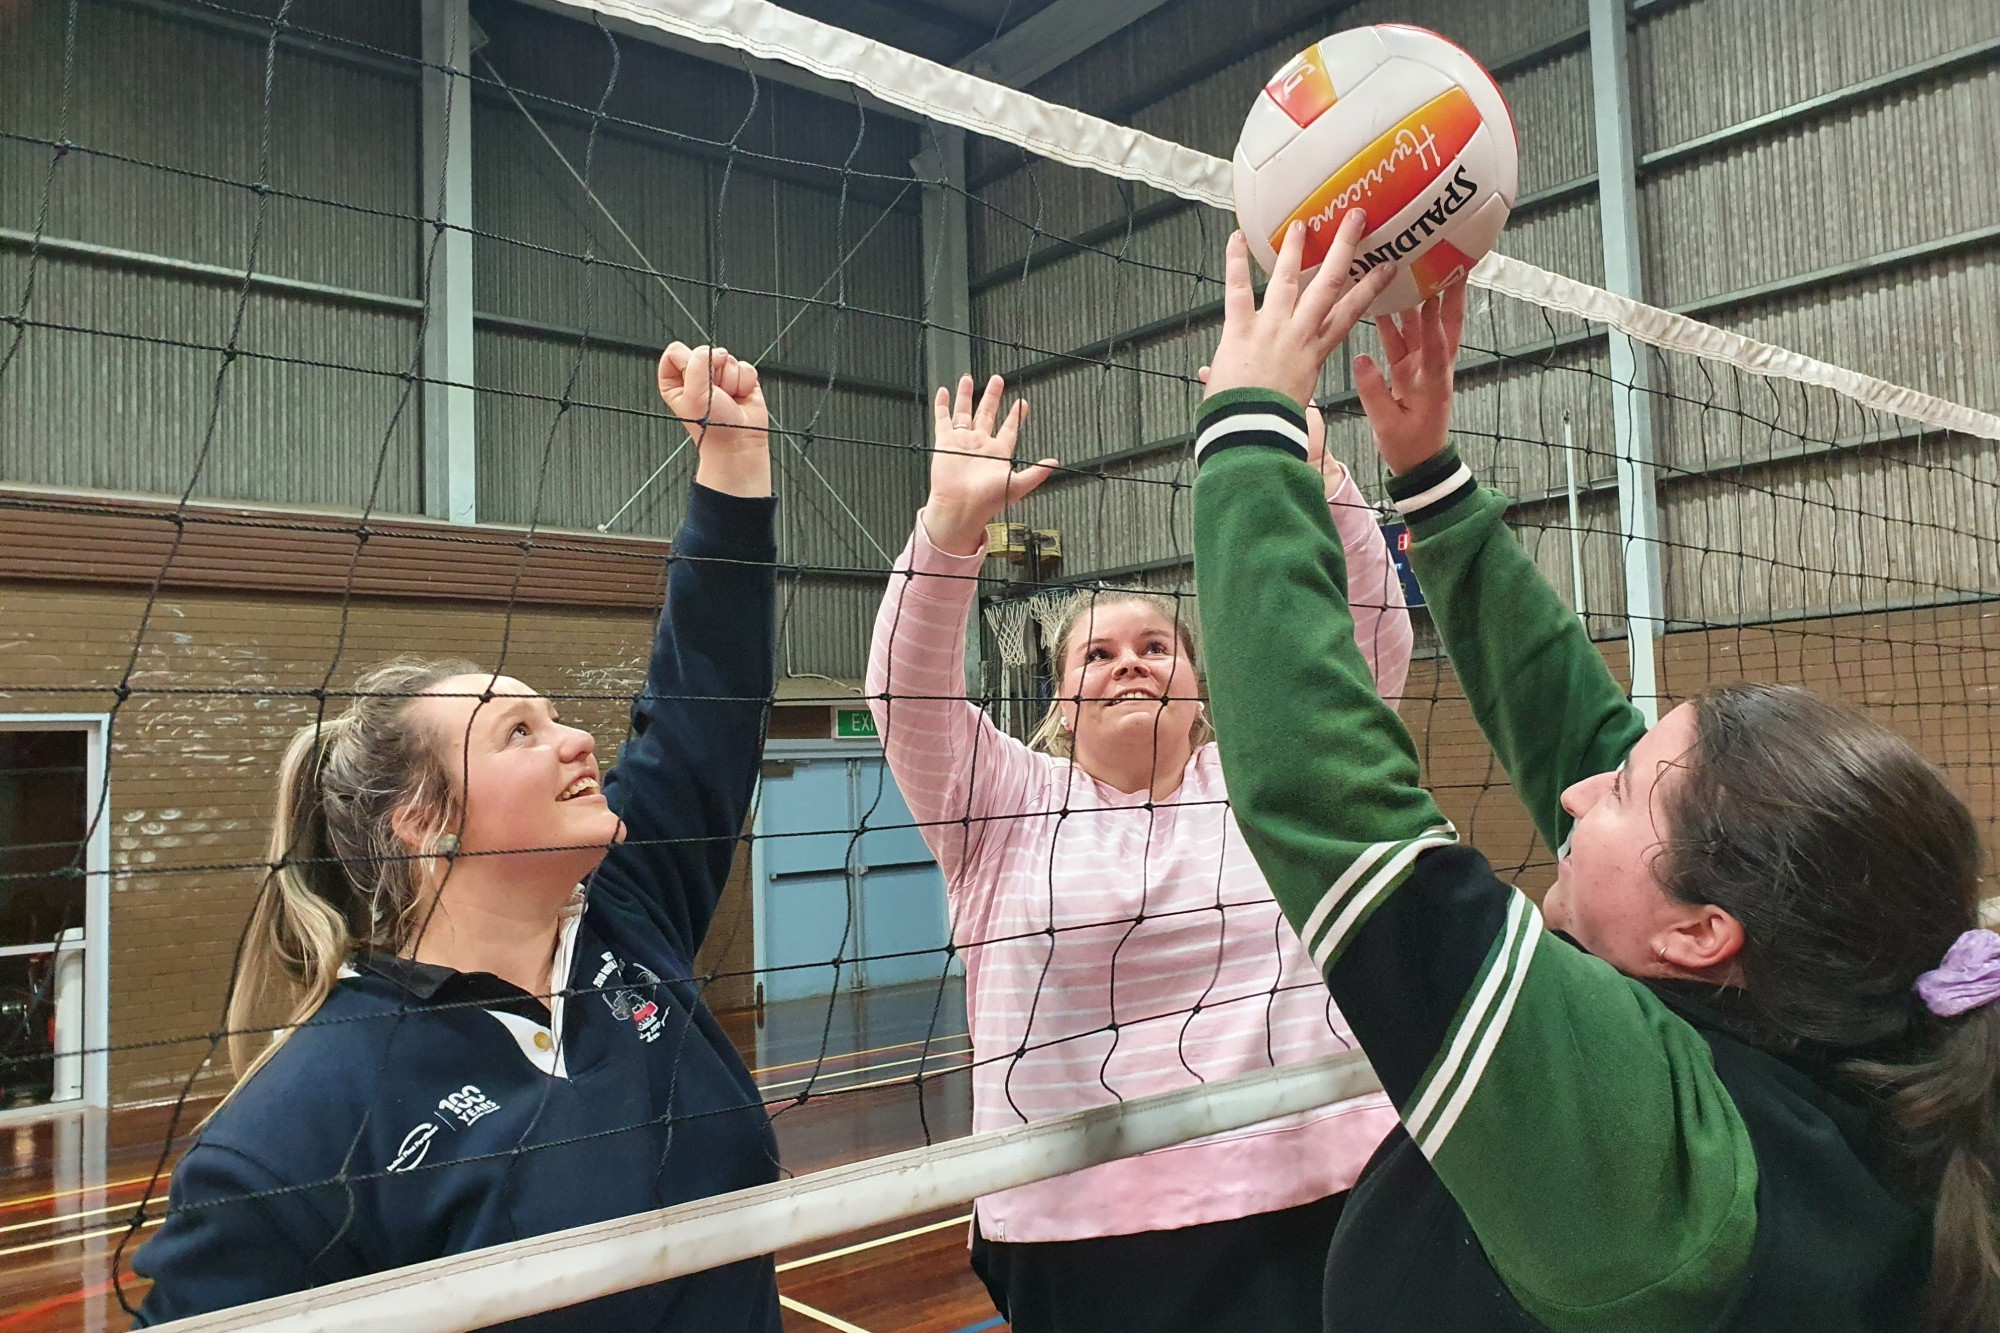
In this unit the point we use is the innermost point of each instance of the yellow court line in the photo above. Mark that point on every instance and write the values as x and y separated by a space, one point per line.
849 1055
76 1239
56 1218
831 1321
82 1189
846 1250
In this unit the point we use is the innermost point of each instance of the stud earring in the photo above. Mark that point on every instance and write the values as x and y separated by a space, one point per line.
448 845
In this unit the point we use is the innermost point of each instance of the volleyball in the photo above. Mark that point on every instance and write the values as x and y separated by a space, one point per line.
1398 122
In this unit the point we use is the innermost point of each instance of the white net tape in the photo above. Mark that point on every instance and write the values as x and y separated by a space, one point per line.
484 1287
953 97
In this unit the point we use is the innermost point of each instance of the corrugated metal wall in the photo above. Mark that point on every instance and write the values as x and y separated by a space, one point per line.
1859 228
771 250
124 402
784 223
1107 339
1861 231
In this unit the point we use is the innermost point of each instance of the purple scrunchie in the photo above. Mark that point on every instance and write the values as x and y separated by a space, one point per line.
1968 977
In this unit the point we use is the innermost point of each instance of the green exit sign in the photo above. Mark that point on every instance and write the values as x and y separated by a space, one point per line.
853 724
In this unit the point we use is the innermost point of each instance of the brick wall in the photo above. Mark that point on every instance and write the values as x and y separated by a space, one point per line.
191 771
1932 674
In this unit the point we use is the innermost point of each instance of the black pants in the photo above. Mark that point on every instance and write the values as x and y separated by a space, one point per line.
1260 1274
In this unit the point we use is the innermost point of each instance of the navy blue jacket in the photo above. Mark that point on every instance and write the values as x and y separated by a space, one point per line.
424 1112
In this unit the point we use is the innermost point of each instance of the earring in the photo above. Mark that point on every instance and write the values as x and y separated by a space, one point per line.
448 845
1661 950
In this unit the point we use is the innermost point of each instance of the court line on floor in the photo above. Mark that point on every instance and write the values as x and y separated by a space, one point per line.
831 1321
829 1075
849 1055
56 1218
846 1250
900 1081
77 1239
994 1322
81 1189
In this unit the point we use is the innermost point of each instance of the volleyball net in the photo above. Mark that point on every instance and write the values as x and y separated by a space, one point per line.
249 379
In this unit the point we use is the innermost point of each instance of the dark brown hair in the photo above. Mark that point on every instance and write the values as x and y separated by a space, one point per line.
1853 867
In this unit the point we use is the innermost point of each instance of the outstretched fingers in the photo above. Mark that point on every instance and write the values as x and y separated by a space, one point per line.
1281 293
1239 301
1372 387
988 415
1010 428
1324 290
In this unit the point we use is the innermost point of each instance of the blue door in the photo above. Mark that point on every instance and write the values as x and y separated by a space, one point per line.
847 895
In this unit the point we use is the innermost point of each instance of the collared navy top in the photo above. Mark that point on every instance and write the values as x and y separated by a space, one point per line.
424 1112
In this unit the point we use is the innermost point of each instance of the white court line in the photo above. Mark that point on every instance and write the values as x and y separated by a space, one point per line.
831 1321
846 1250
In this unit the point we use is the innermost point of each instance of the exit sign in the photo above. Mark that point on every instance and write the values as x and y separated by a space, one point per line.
853 724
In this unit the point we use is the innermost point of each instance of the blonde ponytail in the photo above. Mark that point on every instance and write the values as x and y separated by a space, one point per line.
340 880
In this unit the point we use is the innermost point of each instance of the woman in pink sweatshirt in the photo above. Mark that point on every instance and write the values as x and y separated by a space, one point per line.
1117 937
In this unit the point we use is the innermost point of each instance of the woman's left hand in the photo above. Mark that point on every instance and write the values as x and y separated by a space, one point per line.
719 400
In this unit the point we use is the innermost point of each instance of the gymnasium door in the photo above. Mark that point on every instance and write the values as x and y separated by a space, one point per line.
840 873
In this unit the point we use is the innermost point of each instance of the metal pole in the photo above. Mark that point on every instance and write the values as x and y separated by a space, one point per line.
1631 399
450 460
948 305
1575 522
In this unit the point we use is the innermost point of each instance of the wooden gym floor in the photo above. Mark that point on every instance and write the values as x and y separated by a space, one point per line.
66 1184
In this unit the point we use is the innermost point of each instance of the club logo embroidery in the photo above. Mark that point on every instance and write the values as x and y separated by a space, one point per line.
465 1106
468 1104
415 1147
630 995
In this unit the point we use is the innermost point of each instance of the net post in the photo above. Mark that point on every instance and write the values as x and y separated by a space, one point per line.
948 296
450 463
1631 386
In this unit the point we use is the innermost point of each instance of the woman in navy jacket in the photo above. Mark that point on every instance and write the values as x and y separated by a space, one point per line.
485 954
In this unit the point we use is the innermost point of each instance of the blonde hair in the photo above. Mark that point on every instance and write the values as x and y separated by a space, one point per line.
1050 735
340 879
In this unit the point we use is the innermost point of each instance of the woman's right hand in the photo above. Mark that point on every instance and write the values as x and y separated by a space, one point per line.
1410 417
972 466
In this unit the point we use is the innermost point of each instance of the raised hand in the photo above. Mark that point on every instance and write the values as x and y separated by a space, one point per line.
719 401
1330 468
972 465
1284 344
1410 410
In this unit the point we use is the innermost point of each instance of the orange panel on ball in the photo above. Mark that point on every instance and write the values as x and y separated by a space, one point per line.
1438 267
1302 89
1383 178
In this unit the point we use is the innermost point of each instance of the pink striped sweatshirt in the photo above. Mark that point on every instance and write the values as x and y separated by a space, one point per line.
1111 950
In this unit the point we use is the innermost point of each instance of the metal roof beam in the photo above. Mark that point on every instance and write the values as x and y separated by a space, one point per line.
1050 39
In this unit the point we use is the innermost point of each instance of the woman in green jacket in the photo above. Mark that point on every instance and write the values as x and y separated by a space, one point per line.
1738 1071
